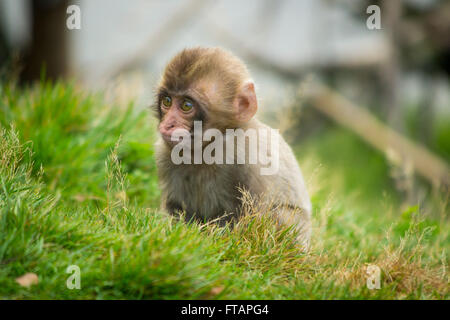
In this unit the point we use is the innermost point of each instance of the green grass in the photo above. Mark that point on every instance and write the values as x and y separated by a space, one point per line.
78 186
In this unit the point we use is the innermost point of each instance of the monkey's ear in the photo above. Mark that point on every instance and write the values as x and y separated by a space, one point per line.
245 103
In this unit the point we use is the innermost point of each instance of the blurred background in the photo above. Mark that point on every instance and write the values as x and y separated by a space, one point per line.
337 89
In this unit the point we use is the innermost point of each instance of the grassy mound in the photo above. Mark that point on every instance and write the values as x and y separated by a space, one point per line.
78 186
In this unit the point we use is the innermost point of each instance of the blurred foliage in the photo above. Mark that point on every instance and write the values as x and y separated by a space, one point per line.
439 141
71 133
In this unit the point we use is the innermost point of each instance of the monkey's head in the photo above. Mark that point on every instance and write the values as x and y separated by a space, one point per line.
204 84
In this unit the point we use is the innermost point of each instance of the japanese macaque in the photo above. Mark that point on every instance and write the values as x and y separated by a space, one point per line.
206 98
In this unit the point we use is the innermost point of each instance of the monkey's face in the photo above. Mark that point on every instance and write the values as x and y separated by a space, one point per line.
207 85
176 112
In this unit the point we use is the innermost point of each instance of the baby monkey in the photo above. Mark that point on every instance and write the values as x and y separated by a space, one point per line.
205 102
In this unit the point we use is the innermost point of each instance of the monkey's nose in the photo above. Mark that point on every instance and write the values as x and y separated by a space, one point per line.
166 128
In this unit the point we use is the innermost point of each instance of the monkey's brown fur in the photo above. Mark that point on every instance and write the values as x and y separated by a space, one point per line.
213 78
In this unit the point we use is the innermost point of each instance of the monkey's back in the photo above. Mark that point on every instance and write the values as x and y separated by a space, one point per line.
286 186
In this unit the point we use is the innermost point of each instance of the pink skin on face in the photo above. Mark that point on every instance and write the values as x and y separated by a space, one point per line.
174 118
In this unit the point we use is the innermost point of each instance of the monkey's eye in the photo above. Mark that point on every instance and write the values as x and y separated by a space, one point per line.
167 101
187 106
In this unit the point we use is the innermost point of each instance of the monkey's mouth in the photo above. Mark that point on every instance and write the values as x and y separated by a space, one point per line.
186 139
172 140
168 138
